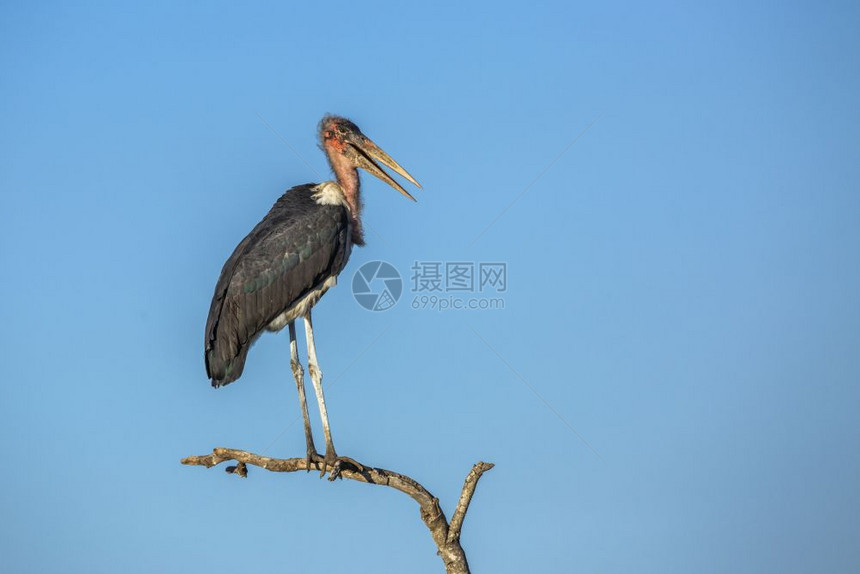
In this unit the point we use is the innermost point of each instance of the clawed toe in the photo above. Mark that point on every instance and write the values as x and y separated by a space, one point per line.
328 462
352 462
312 458
334 464
339 464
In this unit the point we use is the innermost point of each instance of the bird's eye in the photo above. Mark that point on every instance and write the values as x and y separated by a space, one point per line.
328 134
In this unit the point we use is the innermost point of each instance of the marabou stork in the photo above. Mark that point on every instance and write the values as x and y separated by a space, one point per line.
289 260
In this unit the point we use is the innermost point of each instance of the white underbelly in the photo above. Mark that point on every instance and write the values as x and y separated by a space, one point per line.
301 307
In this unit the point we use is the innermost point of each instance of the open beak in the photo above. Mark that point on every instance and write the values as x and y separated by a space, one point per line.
368 154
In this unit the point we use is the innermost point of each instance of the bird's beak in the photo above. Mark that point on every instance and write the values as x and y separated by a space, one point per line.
368 155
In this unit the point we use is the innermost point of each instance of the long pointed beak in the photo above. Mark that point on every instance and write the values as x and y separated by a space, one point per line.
368 155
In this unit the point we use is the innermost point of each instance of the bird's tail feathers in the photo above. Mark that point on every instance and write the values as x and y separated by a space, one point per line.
224 370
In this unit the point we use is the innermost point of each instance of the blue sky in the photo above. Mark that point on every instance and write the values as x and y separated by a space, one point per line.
683 284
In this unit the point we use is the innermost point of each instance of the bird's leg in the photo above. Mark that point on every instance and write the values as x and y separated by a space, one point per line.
316 377
298 374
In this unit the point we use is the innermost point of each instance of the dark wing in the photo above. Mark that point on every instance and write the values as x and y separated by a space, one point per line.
295 247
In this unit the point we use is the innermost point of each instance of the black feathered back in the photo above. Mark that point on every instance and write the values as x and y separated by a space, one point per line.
297 246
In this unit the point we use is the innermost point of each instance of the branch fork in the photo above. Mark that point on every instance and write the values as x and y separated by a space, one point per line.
446 535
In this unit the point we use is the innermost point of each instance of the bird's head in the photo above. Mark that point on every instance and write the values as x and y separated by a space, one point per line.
346 146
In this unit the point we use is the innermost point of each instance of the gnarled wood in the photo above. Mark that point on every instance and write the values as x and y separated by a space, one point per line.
446 535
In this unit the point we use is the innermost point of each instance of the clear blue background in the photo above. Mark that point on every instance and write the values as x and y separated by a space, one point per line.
684 284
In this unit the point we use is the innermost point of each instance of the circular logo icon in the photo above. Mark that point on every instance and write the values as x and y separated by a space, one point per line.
377 286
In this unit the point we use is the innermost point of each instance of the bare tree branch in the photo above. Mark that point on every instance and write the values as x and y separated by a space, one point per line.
465 498
446 537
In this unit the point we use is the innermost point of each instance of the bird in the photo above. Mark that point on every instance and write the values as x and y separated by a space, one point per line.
284 266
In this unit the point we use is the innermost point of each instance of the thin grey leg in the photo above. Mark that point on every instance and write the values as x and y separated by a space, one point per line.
298 374
316 377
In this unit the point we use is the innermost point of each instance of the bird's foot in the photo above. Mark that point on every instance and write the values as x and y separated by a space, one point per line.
342 461
338 463
328 462
332 463
313 457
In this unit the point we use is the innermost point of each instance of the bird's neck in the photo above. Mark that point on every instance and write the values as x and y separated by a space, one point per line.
347 177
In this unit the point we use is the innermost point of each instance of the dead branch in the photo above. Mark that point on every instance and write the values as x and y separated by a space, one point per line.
446 535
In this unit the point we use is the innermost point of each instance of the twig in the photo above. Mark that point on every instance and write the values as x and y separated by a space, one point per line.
446 537
465 498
